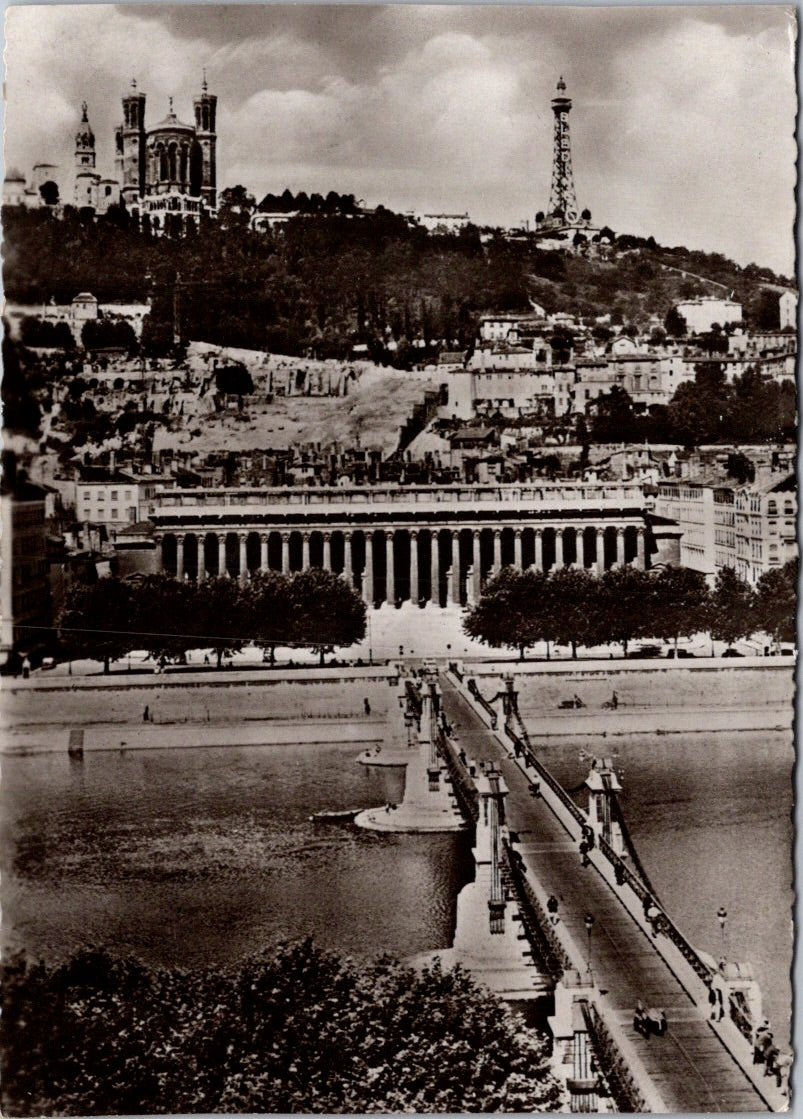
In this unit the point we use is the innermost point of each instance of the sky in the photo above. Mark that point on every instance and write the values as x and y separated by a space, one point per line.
682 123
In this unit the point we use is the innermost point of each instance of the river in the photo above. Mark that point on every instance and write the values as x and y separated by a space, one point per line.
196 857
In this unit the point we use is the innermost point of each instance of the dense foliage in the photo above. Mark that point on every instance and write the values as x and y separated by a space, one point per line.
754 407
330 277
297 1030
106 619
573 607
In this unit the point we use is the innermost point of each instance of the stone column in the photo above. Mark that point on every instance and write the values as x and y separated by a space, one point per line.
559 561
580 538
390 582
348 568
600 551
285 553
327 552
434 568
620 547
304 551
202 557
641 555
539 550
455 592
221 553
476 566
497 550
263 551
243 537
368 574
517 548
414 595
180 556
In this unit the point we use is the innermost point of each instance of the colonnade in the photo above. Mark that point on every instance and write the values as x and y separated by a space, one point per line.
442 565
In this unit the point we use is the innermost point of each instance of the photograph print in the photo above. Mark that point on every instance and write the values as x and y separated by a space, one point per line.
398 573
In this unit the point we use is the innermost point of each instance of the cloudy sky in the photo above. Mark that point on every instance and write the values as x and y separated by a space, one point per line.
682 126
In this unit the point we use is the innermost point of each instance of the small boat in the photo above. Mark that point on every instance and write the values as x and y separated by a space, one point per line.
335 815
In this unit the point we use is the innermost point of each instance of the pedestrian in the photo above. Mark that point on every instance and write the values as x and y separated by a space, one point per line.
584 853
206 658
552 909
614 701
654 917
771 1068
661 1023
758 1042
639 1020
146 714
367 706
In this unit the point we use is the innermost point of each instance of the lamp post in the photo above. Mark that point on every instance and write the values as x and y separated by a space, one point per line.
589 922
722 917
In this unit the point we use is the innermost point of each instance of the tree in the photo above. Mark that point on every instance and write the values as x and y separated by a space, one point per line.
675 323
612 417
221 617
295 1030
100 334
324 610
732 608
505 612
680 602
269 610
776 602
624 606
97 620
234 380
570 602
165 615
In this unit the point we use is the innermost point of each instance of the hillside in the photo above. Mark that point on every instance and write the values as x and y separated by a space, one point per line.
319 284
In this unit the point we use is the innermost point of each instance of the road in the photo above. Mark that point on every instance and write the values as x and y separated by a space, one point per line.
689 1066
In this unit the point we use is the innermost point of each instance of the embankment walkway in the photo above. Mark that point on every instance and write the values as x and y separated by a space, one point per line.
690 1067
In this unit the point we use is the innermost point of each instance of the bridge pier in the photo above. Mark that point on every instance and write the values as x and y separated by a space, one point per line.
429 804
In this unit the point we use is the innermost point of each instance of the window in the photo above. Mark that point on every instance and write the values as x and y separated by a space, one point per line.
772 508
114 514
114 495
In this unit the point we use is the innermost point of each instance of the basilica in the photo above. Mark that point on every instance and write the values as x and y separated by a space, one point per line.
165 175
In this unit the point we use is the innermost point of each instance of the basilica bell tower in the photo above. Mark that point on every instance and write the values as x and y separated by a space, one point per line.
205 113
130 147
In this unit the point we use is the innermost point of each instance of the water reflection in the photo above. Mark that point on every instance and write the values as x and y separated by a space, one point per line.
195 857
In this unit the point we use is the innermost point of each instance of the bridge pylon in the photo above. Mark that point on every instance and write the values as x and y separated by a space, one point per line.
603 818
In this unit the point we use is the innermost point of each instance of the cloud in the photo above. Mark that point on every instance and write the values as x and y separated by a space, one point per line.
682 123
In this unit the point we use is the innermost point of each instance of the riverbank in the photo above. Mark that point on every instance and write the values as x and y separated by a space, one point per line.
366 732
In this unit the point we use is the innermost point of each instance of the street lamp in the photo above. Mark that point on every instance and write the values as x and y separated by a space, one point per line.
589 922
722 917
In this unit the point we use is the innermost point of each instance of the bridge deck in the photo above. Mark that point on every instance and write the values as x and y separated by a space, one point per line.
689 1065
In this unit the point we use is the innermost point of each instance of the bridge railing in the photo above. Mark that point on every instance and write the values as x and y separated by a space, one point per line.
524 750
537 926
483 702
464 788
625 1091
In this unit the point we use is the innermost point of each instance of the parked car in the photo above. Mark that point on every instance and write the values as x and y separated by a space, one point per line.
681 654
732 653
645 651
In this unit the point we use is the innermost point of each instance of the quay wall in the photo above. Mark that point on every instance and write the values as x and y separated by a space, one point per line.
225 697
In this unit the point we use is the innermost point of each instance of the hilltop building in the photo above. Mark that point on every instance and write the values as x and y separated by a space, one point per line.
701 314
168 173
787 310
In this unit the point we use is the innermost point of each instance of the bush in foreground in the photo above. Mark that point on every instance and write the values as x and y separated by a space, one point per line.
299 1030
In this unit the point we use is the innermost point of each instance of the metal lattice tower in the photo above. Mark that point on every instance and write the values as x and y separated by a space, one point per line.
562 199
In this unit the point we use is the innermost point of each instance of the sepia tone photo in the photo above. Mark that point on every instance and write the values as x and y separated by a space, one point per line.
399 563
